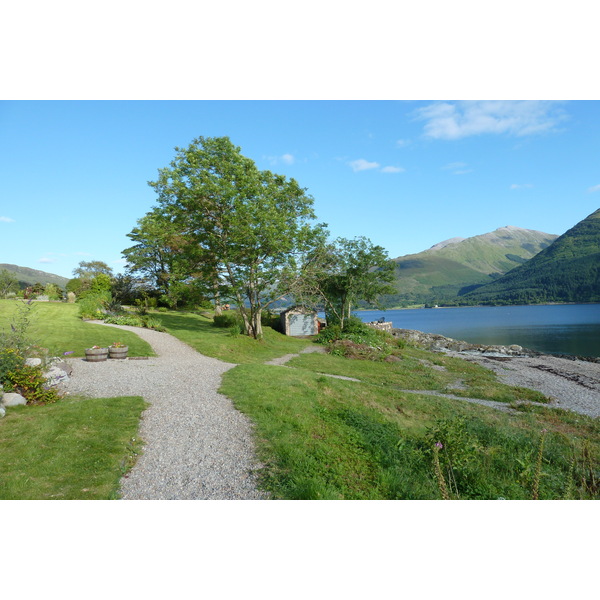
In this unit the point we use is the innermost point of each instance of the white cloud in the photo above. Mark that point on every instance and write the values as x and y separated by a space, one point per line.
6 220
363 165
452 121
521 186
457 168
287 159
594 188
392 170
454 165
45 259
120 261
402 143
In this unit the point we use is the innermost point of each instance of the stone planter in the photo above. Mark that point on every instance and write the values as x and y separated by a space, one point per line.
118 352
96 354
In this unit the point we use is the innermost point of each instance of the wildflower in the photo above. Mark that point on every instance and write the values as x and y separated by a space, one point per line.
67 353
439 445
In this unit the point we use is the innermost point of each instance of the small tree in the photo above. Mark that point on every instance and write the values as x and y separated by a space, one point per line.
341 274
8 283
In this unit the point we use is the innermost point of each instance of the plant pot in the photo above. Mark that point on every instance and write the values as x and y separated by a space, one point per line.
96 354
118 352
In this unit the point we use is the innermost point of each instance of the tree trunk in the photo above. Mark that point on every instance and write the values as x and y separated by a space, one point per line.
217 298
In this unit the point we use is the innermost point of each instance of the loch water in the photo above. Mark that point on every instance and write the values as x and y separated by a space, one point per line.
554 329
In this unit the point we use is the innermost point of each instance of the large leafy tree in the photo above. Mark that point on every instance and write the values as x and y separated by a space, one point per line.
159 255
89 269
241 228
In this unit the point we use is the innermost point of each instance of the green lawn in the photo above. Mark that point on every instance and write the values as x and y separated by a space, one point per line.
76 449
57 326
324 438
199 332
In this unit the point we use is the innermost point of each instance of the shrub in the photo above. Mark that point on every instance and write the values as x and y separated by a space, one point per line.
10 360
227 319
31 384
92 305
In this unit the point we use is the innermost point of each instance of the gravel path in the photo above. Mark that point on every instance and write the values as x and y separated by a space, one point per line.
197 445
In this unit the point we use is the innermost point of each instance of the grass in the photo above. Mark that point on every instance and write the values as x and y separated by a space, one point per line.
416 371
323 438
76 449
57 326
318 437
199 332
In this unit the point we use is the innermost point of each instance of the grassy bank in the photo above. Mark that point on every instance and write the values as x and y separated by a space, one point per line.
198 331
324 438
57 326
76 449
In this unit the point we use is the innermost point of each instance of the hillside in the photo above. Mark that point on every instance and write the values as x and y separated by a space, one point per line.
455 266
566 271
28 276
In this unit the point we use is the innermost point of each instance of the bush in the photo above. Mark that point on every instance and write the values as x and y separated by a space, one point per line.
92 305
227 319
135 321
31 384
10 360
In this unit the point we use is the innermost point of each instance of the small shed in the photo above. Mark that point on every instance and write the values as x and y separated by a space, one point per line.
299 321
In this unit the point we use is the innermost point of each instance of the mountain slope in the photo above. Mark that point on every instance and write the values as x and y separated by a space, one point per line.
566 271
27 276
456 265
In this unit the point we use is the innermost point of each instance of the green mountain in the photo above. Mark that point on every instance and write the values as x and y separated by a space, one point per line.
28 276
566 271
456 266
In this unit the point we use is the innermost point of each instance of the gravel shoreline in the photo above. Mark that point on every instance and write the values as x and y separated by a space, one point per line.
197 445
570 384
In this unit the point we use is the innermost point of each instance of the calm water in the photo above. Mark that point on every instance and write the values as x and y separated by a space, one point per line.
558 329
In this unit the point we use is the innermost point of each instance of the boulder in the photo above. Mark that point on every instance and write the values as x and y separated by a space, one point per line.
440 343
33 362
2 411
12 399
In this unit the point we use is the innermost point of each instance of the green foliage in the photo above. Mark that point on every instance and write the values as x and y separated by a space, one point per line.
227 319
233 229
101 283
10 360
358 340
8 283
52 291
136 320
31 384
92 306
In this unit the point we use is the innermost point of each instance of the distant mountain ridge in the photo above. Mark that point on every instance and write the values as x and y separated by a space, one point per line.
27 276
566 271
455 266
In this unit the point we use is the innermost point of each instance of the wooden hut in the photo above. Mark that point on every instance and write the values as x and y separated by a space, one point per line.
299 321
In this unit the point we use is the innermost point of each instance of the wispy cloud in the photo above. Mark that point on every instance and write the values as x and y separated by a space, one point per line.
286 159
402 143
46 260
594 188
455 120
521 186
457 168
363 165
6 220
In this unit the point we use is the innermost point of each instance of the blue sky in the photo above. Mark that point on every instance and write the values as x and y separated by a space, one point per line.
406 174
